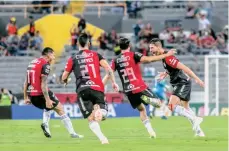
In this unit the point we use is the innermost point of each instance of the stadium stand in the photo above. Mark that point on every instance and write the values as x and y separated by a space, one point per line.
154 13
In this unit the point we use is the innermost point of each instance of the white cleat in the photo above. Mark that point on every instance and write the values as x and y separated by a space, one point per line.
196 123
200 133
153 135
105 141
76 136
46 131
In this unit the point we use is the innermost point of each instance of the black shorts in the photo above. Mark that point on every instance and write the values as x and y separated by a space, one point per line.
136 100
182 90
39 101
88 98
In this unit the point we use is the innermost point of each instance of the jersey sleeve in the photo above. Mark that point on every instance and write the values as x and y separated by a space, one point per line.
45 69
69 64
100 57
113 65
172 61
137 56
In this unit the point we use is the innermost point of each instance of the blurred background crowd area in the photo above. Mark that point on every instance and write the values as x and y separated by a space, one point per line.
201 40
194 28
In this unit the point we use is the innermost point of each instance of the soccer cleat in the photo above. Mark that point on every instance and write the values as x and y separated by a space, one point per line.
154 102
153 135
76 136
197 122
200 134
46 130
105 141
164 117
151 115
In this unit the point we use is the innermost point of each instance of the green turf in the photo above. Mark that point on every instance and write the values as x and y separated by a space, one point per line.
125 134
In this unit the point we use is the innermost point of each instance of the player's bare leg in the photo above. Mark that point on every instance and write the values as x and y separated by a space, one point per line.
198 131
96 116
175 105
66 121
45 123
145 120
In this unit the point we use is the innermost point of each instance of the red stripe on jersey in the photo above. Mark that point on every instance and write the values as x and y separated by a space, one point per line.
172 61
94 71
69 64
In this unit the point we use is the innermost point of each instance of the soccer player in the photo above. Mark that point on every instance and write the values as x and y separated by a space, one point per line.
160 91
180 79
36 92
85 65
127 65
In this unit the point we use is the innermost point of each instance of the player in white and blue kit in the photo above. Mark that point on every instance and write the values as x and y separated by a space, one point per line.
160 91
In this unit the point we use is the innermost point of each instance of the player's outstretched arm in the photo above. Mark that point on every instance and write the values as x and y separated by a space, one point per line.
157 58
109 75
189 72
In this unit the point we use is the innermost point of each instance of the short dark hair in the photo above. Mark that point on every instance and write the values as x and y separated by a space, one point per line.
154 40
47 50
83 39
124 43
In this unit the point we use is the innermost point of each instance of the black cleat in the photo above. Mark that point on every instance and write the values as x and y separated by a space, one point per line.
46 133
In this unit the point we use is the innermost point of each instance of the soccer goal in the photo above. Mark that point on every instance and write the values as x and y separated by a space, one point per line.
216 84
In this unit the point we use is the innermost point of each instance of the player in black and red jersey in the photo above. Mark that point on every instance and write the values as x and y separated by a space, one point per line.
128 66
36 92
181 82
85 65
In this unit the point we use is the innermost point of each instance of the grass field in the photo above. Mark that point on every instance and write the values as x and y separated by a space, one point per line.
125 134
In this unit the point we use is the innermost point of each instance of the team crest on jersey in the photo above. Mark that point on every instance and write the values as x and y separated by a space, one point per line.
90 82
130 86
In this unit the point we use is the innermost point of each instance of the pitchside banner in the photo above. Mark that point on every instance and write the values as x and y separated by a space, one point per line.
114 110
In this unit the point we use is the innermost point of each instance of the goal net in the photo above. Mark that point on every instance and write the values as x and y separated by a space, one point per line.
216 84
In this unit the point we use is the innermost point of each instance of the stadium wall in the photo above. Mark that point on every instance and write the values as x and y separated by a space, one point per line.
5 112
115 110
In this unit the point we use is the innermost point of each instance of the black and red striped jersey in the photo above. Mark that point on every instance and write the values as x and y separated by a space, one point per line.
128 66
85 65
176 75
35 70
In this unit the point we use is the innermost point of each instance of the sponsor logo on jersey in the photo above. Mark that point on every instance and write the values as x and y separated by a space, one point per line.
90 82
130 86
30 88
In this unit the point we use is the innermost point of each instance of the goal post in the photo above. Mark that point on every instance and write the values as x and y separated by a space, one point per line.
216 83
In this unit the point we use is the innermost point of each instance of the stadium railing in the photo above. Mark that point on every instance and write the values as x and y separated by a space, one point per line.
25 9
